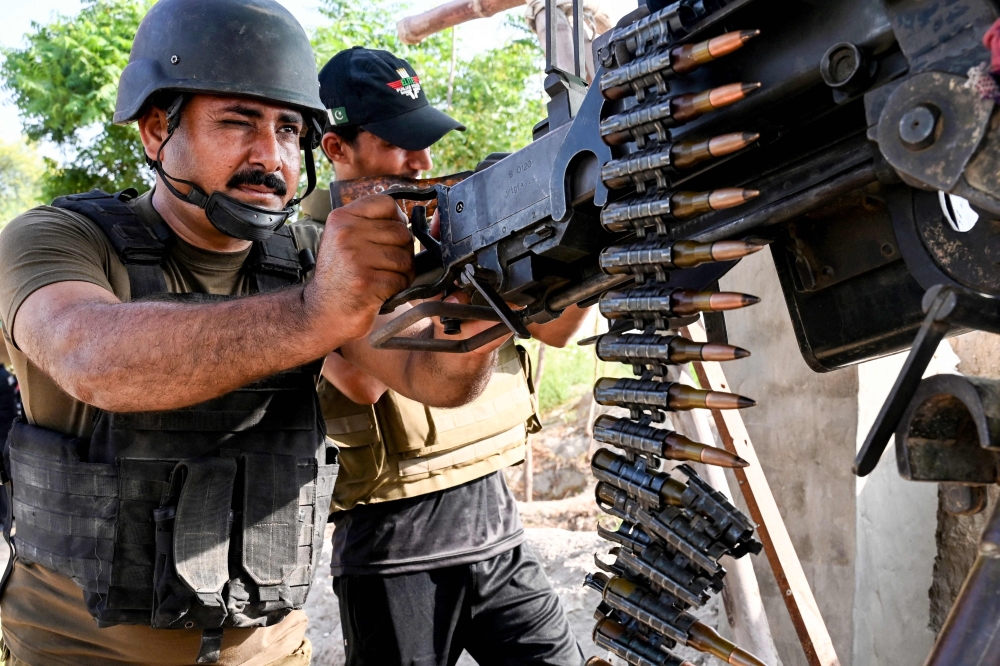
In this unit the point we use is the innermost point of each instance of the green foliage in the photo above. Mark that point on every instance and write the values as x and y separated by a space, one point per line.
64 83
21 170
496 94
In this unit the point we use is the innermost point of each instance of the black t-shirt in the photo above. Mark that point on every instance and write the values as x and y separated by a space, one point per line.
461 525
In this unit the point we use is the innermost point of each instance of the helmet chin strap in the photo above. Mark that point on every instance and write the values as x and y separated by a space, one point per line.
231 216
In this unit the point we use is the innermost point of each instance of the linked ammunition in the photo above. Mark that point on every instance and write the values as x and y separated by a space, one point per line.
652 301
650 489
656 491
668 396
627 645
655 209
655 256
705 639
652 164
670 525
657 115
662 349
657 68
627 434
665 574
631 599
728 524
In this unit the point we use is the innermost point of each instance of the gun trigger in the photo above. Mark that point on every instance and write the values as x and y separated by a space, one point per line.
510 319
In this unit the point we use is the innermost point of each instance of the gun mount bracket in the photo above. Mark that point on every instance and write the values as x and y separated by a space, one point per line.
946 306
388 336
930 127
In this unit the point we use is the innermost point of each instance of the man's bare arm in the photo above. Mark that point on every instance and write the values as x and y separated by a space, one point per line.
154 356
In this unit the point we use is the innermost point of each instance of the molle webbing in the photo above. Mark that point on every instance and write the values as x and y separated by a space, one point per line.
274 263
139 247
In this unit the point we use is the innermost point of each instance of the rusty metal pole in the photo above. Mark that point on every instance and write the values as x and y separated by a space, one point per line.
799 600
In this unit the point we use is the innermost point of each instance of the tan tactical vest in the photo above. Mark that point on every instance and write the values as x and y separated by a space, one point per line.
400 448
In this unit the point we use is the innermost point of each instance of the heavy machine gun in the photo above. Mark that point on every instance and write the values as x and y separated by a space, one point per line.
844 134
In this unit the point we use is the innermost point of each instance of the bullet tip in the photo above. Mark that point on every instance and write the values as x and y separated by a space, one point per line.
750 300
750 137
750 87
741 463
743 402
739 352
750 194
747 35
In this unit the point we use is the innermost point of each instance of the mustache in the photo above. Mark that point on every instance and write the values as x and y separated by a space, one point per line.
257 177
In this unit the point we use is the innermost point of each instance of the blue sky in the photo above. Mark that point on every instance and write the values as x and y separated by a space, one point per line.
18 16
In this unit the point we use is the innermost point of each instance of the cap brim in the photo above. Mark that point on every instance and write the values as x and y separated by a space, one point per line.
415 130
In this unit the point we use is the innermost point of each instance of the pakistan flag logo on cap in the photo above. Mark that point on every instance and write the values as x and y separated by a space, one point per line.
407 85
338 116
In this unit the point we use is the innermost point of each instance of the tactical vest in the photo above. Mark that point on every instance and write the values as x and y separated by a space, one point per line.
204 517
400 448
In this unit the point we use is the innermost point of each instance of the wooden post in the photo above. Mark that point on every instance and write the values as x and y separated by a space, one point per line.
451 71
741 596
415 29
792 583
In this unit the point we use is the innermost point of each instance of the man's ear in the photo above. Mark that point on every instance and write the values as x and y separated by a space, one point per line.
337 150
153 130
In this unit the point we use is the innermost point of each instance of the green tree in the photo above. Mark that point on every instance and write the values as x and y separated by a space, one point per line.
64 83
21 170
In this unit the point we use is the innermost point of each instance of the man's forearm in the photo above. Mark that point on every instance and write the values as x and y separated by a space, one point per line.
160 355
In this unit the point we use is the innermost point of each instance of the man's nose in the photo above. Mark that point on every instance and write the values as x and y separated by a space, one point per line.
419 160
266 151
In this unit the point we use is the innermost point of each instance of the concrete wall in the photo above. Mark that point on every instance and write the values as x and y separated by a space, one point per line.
804 430
896 523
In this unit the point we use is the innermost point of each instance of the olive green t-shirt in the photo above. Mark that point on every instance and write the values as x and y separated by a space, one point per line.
44 618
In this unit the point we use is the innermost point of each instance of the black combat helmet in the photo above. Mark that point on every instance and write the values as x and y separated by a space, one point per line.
252 48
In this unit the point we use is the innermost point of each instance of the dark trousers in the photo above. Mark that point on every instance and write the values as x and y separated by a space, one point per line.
502 610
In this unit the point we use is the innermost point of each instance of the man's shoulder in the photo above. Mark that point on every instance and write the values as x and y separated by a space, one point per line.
42 223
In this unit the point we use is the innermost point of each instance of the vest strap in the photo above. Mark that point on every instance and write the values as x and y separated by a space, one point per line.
211 646
139 248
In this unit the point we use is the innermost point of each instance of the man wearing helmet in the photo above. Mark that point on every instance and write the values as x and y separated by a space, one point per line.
170 486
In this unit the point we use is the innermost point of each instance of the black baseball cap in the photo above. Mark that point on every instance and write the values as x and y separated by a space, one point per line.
381 94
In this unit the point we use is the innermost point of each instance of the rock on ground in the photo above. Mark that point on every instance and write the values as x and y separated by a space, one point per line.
566 556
